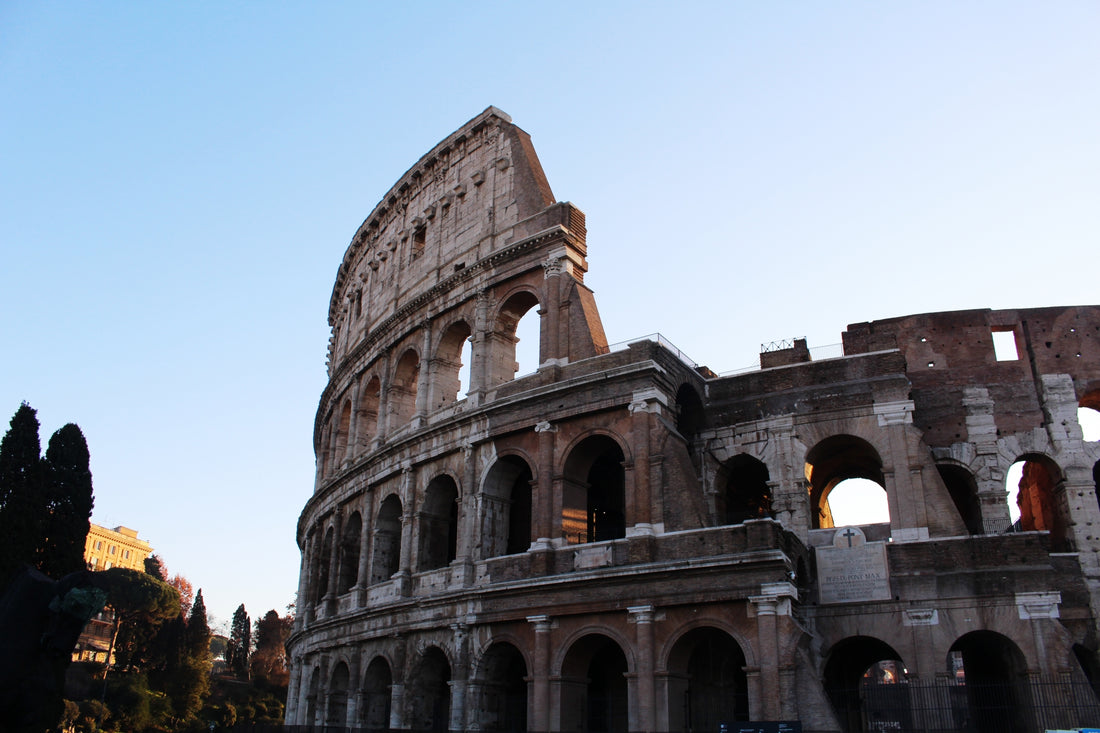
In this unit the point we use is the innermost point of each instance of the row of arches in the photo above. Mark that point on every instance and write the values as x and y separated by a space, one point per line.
502 520
351 553
984 685
429 376
705 670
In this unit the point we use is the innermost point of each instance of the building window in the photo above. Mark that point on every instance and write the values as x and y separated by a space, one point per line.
112 549
126 555
107 565
99 545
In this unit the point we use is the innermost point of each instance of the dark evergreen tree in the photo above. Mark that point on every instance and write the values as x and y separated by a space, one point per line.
198 629
21 516
155 567
68 495
240 642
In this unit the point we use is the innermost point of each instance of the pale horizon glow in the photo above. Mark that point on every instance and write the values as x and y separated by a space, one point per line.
181 181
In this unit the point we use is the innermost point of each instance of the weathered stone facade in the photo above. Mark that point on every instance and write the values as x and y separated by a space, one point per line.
627 541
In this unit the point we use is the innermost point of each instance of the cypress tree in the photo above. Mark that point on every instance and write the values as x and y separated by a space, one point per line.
198 629
21 519
240 643
68 493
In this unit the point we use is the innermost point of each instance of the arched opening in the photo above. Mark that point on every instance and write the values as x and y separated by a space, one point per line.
349 553
744 491
1031 484
366 425
841 459
593 687
708 687
514 343
689 414
402 392
386 557
1088 416
323 565
502 688
506 522
429 693
963 489
338 697
447 365
594 492
862 680
312 693
439 524
375 714
994 672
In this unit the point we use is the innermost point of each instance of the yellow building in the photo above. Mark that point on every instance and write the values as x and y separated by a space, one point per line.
115 548
108 548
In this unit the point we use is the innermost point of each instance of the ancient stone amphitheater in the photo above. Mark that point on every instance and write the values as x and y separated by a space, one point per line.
626 541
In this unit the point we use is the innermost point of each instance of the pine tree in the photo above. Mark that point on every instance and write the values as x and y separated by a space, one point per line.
21 519
198 629
269 659
240 643
68 494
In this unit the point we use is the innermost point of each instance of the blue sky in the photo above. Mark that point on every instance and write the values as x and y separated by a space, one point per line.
179 181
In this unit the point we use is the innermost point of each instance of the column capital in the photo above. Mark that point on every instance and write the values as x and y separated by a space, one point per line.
641 614
542 622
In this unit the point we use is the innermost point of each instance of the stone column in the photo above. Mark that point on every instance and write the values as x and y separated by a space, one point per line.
646 702
538 711
981 429
353 422
908 514
550 341
423 382
294 667
404 571
397 689
462 572
303 585
1040 609
774 600
362 573
542 502
479 351
384 400
355 693
460 677
644 403
334 561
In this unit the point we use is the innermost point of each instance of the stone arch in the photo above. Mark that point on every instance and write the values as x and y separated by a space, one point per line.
1089 407
500 688
506 507
336 713
833 460
994 671
744 490
446 364
386 555
349 553
438 519
860 680
689 413
708 685
313 692
428 692
403 388
1036 496
377 683
366 423
963 488
594 691
502 340
594 490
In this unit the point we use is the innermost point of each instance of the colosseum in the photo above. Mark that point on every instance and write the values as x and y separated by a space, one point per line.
623 540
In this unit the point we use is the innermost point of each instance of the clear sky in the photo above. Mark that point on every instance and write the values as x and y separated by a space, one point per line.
179 181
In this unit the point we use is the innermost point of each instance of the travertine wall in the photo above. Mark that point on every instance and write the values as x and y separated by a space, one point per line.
624 540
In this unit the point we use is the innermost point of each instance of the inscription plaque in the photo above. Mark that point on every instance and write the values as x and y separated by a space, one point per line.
853 569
